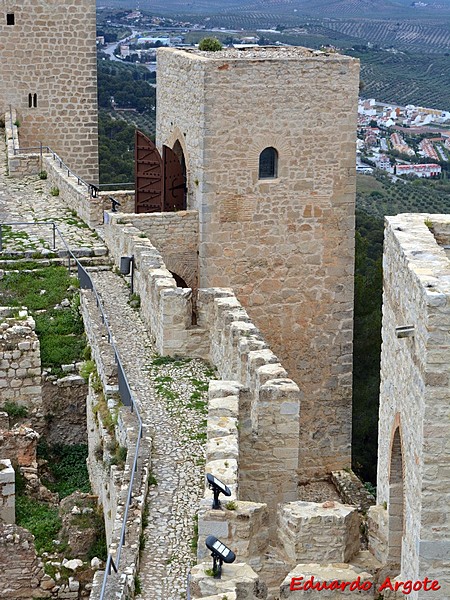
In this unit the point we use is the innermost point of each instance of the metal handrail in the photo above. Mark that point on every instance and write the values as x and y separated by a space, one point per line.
130 400
92 189
108 185
28 223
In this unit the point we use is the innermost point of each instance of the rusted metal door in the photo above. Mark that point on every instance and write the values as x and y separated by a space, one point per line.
174 182
148 176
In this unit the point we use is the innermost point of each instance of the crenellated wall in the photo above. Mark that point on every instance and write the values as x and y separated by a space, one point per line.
174 235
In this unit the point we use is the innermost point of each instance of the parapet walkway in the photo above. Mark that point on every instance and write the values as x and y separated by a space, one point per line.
29 199
171 394
163 389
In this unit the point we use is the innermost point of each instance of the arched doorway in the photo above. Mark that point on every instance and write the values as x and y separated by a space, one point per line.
396 500
179 280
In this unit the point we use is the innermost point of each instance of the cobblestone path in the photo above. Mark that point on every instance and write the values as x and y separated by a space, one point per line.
29 199
172 397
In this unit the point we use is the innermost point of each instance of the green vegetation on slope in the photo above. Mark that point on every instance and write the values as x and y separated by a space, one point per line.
60 331
67 468
376 197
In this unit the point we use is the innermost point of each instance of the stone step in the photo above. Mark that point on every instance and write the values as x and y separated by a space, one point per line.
90 261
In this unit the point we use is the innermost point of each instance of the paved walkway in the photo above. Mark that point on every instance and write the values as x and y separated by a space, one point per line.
172 399
29 199
171 393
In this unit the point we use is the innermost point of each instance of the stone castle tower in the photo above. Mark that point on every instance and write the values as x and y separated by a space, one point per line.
49 76
268 139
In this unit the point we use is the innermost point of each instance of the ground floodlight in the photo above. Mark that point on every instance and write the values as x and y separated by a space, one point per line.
218 488
220 554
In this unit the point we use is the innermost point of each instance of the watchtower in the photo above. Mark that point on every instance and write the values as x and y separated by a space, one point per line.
268 139
49 75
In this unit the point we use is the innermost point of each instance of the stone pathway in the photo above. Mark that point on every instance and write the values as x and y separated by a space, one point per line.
172 397
29 199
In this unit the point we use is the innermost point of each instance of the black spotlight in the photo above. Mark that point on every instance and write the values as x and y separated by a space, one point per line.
220 554
217 487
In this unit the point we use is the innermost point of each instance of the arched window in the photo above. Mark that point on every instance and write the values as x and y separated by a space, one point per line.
30 101
35 100
268 163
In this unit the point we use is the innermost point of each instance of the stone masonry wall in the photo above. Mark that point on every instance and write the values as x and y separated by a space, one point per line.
269 402
414 393
7 492
19 165
64 406
50 51
175 235
166 308
284 245
20 362
21 568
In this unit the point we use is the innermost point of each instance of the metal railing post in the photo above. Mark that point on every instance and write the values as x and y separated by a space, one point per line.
54 236
1 238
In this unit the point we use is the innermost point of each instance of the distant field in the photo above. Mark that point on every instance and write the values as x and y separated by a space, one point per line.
379 196
403 35
292 9
404 78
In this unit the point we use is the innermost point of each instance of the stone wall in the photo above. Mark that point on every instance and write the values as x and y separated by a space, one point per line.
7 492
175 236
125 197
20 362
268 402
64 406
414 400
21 569
324 533
50 51
165 308
285 245
75 195
19 165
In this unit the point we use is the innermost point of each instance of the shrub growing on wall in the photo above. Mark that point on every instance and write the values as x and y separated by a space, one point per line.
210 44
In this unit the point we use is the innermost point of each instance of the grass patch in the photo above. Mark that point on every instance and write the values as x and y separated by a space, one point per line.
41 519
14 410
67 466
194 541
101 408
60 332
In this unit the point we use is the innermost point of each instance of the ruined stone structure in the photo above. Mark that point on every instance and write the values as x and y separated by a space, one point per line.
49 76
268 138
410 529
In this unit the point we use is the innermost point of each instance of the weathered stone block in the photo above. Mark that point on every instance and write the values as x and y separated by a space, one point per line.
327 532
